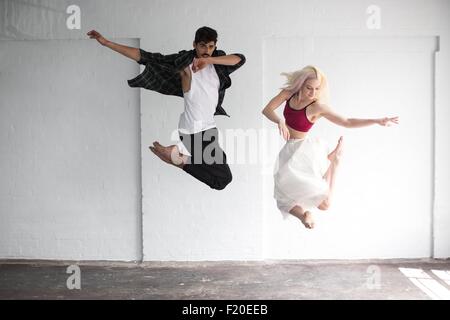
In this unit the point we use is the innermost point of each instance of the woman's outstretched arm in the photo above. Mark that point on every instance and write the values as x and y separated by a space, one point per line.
342 121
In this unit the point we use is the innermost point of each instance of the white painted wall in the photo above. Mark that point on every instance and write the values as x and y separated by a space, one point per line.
69 150
185 220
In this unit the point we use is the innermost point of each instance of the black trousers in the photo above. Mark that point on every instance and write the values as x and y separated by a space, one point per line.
208 162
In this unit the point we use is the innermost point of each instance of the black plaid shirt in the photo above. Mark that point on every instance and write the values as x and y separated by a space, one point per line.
161 73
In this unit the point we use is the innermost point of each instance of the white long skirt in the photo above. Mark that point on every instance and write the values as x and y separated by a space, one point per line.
299 172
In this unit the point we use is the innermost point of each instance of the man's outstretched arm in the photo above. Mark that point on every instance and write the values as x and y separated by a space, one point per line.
129 52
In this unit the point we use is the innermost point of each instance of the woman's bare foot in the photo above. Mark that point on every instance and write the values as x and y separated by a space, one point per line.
170 154
336 154
304 216
307 220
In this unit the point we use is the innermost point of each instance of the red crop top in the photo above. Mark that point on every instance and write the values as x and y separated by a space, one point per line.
296 119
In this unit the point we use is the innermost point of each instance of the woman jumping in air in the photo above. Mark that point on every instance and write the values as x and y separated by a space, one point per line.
305 172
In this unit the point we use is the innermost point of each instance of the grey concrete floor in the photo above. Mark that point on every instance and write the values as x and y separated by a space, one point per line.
268 280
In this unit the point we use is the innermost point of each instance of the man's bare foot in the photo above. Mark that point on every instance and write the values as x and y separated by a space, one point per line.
336 154
159 154
170 154
307 220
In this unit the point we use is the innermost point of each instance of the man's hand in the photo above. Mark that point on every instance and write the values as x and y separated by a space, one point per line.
97 36
200 63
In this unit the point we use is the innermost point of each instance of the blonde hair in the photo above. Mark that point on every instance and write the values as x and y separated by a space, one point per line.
296 80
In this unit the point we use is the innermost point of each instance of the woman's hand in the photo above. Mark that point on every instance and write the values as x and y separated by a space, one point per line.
284 131
387 122
97 36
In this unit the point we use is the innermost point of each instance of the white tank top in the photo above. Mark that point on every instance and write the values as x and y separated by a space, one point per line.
200 101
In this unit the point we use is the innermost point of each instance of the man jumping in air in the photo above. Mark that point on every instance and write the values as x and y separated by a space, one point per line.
201 77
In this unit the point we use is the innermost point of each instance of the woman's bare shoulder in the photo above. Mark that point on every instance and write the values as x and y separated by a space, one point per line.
322 106
285 94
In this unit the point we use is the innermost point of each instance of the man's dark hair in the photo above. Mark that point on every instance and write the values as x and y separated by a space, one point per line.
205 34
